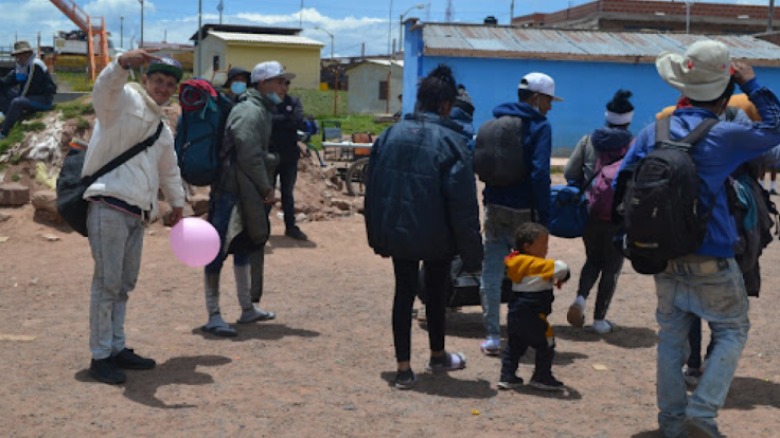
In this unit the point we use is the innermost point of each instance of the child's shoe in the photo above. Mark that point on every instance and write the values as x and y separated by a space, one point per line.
546 383
509 382
405 379
491 346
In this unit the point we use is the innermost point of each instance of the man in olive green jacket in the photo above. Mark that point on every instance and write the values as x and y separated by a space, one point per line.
243 195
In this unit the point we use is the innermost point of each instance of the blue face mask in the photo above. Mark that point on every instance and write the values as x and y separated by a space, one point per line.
21 77
274 98
237 87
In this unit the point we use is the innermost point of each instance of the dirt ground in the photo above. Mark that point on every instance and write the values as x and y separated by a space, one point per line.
325 365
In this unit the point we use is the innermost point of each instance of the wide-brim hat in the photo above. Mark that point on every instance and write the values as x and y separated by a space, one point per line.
701 73
21 47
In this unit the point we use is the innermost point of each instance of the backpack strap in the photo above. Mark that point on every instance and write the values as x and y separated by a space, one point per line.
662 129
124 156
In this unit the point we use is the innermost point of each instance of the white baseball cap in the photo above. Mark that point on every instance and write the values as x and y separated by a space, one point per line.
269 70
539 83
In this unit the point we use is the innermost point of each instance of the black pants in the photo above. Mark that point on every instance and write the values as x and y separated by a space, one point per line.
602 259
287 174
694 338
527 327
406 285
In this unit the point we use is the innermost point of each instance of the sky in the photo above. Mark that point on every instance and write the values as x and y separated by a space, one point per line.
374 23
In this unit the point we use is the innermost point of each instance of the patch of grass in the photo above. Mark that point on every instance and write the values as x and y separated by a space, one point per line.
82 124
35 126
320 103
15 136
74 109
16 177
74 80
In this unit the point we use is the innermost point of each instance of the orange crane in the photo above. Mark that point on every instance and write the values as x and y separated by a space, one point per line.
84 22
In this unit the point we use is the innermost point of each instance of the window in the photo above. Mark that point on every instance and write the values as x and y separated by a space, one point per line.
215 63
382 90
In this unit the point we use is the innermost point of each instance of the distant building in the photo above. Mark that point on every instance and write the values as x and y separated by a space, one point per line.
588 67
368 86
226 46
660 16
181 52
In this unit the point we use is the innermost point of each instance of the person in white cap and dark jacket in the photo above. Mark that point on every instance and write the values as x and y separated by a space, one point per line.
240 196
27 88
603 147
506 207
706 283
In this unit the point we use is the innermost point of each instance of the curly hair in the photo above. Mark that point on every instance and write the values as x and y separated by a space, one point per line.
527 233
437 89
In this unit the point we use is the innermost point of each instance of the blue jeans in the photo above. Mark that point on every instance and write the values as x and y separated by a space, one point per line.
116 240
500 226
719 298
287 174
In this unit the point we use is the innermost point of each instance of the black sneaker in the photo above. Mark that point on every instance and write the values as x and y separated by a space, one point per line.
104 370
546 383
510 382
296 233
128 360
405 379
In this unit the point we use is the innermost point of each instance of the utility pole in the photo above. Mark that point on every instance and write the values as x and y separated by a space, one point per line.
199 69
122 32
511 11
771 15
142 24
220 7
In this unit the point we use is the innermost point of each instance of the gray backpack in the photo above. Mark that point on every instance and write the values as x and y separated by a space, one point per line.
498 154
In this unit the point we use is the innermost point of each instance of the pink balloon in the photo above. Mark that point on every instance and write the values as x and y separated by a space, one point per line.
194 241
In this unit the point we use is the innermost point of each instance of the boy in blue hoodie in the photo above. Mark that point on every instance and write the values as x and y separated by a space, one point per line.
506 207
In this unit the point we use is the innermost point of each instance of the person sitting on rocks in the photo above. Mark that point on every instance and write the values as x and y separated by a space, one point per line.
27 88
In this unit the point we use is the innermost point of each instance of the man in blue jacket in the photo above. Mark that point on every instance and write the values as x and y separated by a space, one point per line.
506 207
707 283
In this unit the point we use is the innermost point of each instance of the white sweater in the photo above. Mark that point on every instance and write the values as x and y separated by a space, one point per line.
126 116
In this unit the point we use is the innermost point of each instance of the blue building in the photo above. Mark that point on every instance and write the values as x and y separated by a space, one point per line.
588 67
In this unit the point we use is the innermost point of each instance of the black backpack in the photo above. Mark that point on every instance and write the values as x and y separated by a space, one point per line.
661 210
498 154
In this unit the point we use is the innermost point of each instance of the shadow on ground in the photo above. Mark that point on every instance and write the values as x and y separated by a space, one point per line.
141 386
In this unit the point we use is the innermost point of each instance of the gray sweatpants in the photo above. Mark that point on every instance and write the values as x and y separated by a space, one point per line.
116 240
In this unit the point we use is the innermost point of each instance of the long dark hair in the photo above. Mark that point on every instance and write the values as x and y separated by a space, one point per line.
437 89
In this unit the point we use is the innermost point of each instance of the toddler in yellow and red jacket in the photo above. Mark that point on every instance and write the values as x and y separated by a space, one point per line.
533 277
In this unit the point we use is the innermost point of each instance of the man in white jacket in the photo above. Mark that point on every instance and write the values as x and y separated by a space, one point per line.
124 199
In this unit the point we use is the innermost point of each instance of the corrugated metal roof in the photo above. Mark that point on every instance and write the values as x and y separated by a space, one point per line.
508 42
266 38
385 62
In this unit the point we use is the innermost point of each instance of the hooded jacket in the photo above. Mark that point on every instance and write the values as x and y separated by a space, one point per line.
421 195
248 169
37 80
126 116
533 191
582 162
726 146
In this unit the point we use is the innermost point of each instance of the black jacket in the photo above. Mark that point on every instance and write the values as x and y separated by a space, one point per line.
38 78
421 195
287 120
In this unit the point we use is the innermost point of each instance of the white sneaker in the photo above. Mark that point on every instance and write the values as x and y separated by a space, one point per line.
491 346
602 326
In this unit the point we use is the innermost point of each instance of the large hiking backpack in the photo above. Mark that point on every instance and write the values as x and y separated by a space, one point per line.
199 131
498 154
601 194
663 218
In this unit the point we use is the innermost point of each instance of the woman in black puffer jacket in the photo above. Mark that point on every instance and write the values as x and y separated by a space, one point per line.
421 205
